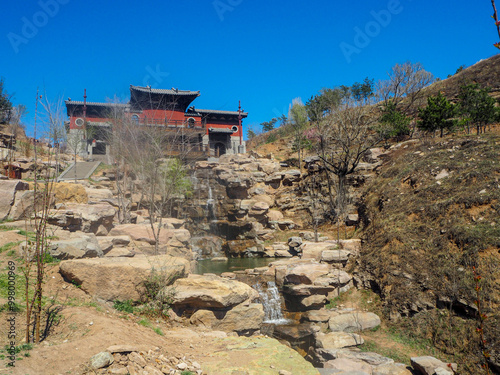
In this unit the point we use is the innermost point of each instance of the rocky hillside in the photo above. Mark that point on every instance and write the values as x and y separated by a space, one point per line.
429 217
485 72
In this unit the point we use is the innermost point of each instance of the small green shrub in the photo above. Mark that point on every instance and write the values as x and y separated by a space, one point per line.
145 323
156 302
125 306
47 258
15 307
158 331
76 284
8 246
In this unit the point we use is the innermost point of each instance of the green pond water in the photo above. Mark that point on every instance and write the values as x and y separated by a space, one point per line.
231 265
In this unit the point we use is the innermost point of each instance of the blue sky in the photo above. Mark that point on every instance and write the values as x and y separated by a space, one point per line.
264 53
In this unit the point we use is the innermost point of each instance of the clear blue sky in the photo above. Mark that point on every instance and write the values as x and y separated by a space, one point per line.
262 52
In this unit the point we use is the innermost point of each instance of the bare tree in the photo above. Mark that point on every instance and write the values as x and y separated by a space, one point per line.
53 116
344 137
298 120
313 188
37 247
497 22
152 154
405 84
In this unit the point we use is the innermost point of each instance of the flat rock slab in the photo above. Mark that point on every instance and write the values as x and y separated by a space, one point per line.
120 278
255 356
349 365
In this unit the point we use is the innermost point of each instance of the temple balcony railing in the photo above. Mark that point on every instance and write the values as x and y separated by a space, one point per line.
186 124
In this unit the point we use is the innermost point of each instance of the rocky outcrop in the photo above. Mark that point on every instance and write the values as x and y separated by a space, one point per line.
111 279
144 233
307 283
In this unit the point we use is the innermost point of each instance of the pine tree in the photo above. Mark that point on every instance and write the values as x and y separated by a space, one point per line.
437 115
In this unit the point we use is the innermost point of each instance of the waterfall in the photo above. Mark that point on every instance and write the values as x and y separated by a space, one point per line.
210 203
271 301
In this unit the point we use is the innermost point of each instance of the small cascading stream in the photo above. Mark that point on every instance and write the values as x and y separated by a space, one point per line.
271 301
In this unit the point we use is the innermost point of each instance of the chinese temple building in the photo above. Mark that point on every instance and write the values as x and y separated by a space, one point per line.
208 133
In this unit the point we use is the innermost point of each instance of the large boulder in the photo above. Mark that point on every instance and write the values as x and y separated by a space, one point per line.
306 273
8 191
209 291
98 194
428 365
88 218
241 318
65 192
24 205
121 278
355 321
107 243
84 246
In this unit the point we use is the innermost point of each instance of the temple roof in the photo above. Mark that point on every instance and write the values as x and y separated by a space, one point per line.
219 112
142 98
94 109
77 102
172 91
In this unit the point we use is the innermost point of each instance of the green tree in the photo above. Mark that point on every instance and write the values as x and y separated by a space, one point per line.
476 106
437 115
5 104
321 104
362 91
269 125
393 123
